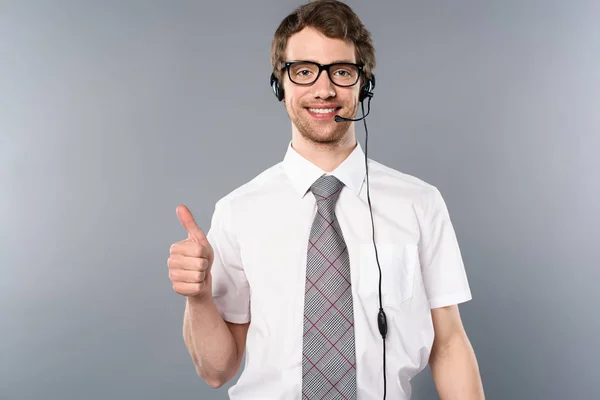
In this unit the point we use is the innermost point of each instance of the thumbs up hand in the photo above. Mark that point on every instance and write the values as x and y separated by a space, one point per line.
190 260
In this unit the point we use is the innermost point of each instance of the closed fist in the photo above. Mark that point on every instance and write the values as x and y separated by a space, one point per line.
190 260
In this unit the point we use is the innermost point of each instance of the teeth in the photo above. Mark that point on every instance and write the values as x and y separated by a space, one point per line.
322 110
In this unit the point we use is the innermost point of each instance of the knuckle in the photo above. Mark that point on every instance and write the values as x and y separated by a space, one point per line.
174 248
172 275
174 261
198 251
177 288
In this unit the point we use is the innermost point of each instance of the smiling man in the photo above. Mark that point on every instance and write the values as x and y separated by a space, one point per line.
289 273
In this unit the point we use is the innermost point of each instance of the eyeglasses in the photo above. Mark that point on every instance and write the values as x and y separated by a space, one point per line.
307 72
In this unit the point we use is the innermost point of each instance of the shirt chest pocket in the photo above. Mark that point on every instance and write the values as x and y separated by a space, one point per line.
398 262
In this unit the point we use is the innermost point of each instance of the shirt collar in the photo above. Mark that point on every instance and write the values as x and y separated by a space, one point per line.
303 173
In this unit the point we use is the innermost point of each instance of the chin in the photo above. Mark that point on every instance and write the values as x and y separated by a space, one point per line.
323 140
323 134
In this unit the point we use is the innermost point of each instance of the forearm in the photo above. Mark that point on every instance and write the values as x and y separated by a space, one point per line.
209 341
456 373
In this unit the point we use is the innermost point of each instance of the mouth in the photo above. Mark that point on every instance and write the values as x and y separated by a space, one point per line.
323 112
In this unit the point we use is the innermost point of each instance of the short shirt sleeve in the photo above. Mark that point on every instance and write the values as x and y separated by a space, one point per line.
230 287
443 270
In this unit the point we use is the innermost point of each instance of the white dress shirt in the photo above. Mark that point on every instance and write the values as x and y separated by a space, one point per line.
260 233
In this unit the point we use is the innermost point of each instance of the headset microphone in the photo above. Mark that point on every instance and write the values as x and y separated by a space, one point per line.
338 118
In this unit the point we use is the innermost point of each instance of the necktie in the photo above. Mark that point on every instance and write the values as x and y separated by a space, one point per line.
328 362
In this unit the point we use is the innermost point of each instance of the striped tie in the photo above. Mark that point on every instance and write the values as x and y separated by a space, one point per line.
328 363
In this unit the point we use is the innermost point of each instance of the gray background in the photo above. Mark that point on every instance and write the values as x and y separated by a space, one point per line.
114 112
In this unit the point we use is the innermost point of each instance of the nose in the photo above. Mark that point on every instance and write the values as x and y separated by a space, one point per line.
323 88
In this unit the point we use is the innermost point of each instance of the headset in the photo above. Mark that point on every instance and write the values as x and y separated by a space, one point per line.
366 93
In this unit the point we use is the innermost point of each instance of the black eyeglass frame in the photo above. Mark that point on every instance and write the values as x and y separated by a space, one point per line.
285 65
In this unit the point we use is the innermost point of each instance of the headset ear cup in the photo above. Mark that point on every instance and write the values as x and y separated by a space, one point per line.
367 90
277 89
363 92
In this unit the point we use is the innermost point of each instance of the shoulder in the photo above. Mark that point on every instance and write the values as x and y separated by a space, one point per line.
260 184
401 185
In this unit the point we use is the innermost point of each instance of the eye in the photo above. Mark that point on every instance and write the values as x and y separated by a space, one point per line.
342 72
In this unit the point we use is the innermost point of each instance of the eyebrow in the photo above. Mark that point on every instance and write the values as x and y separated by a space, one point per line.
347 61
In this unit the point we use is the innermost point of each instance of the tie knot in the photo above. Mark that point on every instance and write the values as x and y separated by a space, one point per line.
326 189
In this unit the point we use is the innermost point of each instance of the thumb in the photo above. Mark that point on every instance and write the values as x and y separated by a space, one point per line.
189 223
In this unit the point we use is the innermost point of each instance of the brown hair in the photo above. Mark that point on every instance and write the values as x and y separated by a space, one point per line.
335 20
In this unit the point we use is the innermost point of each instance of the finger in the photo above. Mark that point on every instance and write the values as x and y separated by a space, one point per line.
189 249
189 289
185 276
189 223
177 261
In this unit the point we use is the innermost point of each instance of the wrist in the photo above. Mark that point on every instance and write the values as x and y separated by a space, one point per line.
203 299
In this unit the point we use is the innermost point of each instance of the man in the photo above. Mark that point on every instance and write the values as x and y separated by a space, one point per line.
288 273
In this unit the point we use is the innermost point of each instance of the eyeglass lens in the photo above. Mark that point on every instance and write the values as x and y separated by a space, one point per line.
341 74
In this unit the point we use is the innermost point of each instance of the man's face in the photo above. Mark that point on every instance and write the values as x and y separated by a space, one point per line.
300 101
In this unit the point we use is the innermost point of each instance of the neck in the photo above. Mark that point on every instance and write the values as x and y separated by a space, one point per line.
327 156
